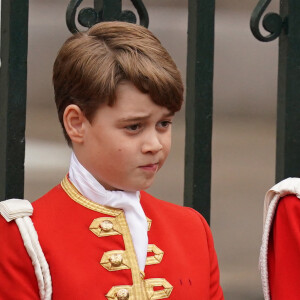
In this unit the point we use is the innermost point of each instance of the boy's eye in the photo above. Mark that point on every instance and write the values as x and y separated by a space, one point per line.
164 124
133 127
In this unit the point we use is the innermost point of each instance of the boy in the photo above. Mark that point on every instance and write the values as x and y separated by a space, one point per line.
116 90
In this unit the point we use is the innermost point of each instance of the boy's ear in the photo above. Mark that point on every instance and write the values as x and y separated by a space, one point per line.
74 120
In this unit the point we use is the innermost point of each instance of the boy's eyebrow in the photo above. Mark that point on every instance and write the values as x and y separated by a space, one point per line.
169 114
141 118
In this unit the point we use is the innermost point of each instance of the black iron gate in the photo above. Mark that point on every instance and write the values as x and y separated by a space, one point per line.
13 80
199 89
14 27
286 26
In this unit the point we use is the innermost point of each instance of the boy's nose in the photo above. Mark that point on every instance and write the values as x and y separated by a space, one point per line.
152 144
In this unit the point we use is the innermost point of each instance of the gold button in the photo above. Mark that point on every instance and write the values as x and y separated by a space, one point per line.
106 225
123 294
116 260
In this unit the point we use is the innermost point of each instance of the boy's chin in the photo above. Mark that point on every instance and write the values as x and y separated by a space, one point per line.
134 187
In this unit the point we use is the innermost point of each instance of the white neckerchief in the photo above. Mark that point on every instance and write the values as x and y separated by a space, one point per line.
89 187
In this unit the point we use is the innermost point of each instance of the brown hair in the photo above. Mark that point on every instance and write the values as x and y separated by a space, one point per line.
90 65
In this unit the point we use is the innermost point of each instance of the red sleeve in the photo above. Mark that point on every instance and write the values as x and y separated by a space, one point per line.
216 292
284 251
17 277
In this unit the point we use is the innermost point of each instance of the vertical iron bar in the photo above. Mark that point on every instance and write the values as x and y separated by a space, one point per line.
13 74
288 108
199 105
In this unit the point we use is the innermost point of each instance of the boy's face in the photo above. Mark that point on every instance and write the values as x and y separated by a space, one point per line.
126 144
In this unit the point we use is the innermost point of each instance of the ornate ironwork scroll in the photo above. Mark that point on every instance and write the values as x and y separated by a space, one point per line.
271 22
104 10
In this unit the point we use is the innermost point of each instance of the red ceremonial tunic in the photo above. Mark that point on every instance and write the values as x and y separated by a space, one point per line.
91 256
284 251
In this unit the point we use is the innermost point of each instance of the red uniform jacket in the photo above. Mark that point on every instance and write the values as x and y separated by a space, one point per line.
284 251
91 256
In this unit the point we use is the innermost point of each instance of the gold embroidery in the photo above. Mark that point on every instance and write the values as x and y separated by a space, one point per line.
138 290
108 264
97 226
123 294
141 289
160 294
142 273
156 258
115 260
149 285
74 194
113 293
106 225
149 221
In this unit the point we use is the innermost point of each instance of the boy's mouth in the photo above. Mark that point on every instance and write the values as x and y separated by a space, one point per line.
150 167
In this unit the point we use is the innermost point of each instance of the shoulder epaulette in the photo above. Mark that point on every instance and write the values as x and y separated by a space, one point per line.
289 186
20 211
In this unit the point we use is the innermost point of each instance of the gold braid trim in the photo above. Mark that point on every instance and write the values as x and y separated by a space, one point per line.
141 289
158 282
149 286
107 260
138 289
75 195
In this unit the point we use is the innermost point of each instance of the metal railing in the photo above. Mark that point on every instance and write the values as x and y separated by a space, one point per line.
286 26
13 80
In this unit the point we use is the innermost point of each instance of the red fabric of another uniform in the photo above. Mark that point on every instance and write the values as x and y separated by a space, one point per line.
284 251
